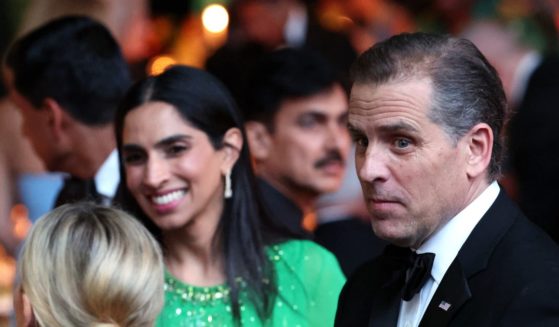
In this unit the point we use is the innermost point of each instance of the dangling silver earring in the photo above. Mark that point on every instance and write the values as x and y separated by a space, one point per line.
228 193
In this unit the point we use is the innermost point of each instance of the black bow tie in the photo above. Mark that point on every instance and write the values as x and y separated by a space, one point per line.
409 269
417 274
404 274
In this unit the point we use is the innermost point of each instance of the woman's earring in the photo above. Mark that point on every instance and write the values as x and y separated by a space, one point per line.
228 190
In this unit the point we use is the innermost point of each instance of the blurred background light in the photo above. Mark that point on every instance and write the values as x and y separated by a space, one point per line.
215 18
159 64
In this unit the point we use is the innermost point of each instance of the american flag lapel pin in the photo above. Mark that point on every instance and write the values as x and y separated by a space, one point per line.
445 305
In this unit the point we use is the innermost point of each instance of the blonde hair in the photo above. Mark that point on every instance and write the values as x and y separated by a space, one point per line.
88 265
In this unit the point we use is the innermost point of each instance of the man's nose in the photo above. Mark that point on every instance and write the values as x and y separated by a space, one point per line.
372 164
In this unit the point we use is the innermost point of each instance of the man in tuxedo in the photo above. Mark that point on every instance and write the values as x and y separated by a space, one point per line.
67 77
427 113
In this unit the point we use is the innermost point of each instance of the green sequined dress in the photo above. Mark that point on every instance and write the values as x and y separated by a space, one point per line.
309 281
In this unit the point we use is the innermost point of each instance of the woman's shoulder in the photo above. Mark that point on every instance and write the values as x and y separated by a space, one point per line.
296 251
309 280
298 246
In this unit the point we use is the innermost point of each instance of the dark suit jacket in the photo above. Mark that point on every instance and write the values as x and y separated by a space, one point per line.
533 144
505 274
285 214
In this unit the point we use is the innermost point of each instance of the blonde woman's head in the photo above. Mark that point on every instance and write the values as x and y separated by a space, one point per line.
88 265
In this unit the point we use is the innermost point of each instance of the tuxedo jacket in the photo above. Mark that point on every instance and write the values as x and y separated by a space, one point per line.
505 274
533 138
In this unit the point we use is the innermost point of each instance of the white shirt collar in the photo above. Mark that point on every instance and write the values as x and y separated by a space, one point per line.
295 28
108 176
522 75
446 242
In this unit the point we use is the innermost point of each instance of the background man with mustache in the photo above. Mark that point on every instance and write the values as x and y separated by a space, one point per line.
296 112
427 113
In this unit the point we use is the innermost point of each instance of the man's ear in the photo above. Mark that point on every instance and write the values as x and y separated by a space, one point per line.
57 117
232 145
480 147
22 308
259 140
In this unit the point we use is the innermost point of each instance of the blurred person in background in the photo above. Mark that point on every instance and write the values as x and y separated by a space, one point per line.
296 114
261 26
67 96
531 81
29 182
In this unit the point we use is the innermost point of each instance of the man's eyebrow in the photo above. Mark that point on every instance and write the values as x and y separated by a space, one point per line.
386 129
400 126
352 129
315 113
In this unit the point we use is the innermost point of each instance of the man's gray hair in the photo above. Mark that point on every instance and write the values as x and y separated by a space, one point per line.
466 88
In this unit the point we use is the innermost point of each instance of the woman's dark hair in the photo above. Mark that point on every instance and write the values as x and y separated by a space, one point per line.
244 228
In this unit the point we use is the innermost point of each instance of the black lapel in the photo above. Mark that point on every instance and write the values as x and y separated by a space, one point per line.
451 294
385 306
476 251
454 291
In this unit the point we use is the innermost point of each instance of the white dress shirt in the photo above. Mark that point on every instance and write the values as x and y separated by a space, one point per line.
108 177
446 244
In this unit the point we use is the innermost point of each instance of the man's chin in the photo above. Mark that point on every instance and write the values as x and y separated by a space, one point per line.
391 234
331 186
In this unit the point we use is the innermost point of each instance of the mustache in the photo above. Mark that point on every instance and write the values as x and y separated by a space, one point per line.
333 156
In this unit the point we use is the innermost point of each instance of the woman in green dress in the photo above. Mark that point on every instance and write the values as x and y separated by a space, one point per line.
188 176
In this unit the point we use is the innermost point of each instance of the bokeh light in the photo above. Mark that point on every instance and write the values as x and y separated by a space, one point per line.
215 18
159 64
